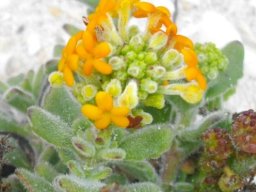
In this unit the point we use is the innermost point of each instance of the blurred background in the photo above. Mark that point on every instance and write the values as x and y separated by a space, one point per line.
29 30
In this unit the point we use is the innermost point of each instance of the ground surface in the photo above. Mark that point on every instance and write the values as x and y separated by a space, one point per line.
30 29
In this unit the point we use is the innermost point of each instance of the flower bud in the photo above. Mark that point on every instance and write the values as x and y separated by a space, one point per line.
134 71
156 72
129 97
116 63
146 117
136 41
158 40
244 131
114 87
172 59
83 147
149 85
133 30
229 181
155 100
88 92
150 57
114 154
190 92
56 79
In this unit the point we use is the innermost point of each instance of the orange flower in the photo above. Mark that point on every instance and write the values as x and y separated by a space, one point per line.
158 17
70 60
92 53
105 113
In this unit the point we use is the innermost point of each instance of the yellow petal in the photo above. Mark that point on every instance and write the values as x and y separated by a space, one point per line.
101 50
145 7
190 57
92 112
68 77
61 64
120 121
71 45
191 73
88 67
164 11
89 41
73 62
103 122
80 50
201 81
120 111
102 67
180 42
104 101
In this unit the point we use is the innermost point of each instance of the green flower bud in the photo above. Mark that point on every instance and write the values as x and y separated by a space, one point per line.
172 59
100 173
155 100
121 75
156 72
129 97
133 30
125 49
114 87
56 79
134 71
141 56
88 92
174 74
211 60
146 117
149 85
158 40
83 147
116 63
114 154
143 95
131 55
136 41
150 57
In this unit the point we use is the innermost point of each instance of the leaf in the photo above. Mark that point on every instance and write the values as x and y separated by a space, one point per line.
10 125
140 170
46 170
19 99
69 183
229 78
33 182
183 187
142 187
59 101
38 81
71 29
50 127
149 142
16 80
58 50
28 79
51 66
92 3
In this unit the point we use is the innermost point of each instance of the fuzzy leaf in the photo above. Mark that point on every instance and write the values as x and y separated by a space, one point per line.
33 182
59 101
28 79
141 170
74 184
38 81
183 187
19 99
229 78
46 170
50 127
83 147
142 187
16 80
147 143
51 66
8 124
71 29
67 155
113 154
58 50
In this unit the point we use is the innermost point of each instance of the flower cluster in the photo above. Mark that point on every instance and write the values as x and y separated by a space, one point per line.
131 68
211 60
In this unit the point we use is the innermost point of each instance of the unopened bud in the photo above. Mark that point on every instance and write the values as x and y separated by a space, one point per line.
155 100
116 63
172 59
149 85
158 40
56 79
88 92
114 87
